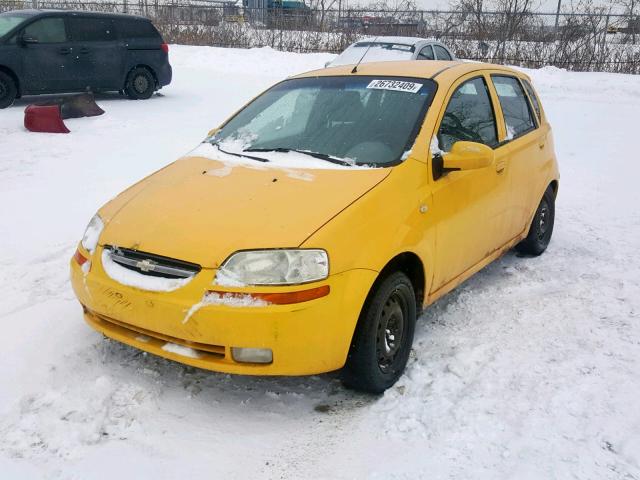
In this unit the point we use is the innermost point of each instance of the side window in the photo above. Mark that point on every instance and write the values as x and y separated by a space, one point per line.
534 98
136 29
441 53
469 116
426 53
47 30
515 106
90 29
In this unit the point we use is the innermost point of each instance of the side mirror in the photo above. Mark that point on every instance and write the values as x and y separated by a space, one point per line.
25 40
467 156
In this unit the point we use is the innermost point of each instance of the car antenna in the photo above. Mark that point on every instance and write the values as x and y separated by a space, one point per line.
355 68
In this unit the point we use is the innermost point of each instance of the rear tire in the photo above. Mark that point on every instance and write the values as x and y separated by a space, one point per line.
382 341
541 227
8 90
140 84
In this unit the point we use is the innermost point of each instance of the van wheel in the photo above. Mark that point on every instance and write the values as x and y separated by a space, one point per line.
140 84
541 227
383 338
8 90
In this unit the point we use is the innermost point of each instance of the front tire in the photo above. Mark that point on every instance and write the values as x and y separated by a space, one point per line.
140 84
8 90
541 227
382 341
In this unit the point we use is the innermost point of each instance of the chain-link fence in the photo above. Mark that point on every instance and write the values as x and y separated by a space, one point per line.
584 41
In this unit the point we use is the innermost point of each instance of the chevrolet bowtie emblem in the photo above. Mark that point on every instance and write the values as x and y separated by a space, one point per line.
146 265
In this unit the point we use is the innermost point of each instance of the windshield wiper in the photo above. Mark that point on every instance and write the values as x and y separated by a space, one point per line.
235 154
321 156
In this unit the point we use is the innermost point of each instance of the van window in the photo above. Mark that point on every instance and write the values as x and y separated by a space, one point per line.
136 29
47 30
426 53
90 29
469 116
532 95
515 106
441 53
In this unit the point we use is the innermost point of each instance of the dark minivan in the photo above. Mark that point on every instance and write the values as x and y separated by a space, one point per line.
53 51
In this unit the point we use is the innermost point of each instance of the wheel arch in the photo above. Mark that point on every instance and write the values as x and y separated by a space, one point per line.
412 266
13 75
554 185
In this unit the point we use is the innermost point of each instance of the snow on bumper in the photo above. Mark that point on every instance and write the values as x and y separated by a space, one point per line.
305 338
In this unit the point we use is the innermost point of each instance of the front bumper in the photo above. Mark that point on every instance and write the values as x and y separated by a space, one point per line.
306 338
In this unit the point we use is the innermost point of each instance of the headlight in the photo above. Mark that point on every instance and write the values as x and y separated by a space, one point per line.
273 267
92 234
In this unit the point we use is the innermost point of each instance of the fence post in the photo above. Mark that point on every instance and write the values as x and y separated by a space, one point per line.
558 15
606 31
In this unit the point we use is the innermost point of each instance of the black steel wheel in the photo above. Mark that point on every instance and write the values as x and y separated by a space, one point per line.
382 341
8 90
140 84
541 228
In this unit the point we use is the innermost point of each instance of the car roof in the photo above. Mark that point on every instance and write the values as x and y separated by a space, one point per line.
441 71
398 40
47 12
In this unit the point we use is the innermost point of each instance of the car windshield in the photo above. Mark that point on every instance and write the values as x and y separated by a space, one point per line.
375 52
8 22
357 120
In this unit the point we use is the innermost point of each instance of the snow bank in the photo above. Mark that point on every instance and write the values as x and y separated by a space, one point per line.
527 371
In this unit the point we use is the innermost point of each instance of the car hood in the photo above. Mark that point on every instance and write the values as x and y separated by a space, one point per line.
202 210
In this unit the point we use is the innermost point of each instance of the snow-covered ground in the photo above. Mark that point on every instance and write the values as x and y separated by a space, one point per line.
531 370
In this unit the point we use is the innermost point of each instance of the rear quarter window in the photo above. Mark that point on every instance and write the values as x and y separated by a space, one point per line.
533 96
130 29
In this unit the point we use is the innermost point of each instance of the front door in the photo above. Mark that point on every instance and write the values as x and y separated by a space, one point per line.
48 63
469 206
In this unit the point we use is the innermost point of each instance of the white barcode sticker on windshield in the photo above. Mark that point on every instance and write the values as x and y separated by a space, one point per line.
396 85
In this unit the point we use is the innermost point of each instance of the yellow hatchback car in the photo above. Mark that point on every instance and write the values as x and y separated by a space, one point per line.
306 233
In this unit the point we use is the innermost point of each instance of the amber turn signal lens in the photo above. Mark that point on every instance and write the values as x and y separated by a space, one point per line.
78 257
284 298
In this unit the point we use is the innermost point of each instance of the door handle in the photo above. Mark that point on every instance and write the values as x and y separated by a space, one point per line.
500 166
84 50
64 51
541 145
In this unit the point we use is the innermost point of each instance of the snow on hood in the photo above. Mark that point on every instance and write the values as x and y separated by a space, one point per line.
203 208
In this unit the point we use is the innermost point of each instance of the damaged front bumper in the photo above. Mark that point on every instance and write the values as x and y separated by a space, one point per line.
305 338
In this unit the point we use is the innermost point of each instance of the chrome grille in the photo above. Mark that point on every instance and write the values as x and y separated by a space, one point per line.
151 264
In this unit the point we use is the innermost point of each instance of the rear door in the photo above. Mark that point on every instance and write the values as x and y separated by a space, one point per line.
525 141
47 57
97 52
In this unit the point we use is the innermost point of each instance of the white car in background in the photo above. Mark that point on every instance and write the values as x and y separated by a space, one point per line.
386 49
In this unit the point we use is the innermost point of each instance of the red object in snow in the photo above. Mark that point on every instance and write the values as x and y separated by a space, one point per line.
48 117
44 118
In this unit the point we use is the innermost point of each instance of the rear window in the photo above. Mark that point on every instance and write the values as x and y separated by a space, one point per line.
515 106
84 29
137 29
